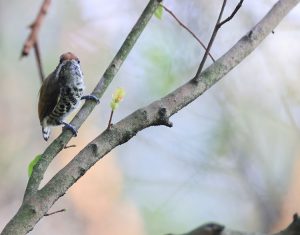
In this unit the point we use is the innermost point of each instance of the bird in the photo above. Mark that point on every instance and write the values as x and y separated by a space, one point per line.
60 94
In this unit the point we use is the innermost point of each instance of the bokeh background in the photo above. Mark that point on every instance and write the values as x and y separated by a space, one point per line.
231 157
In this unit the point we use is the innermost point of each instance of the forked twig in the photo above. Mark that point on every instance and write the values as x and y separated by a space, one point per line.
212 38
238 6
218 25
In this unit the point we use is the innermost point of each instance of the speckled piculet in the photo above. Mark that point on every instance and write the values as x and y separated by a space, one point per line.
61 93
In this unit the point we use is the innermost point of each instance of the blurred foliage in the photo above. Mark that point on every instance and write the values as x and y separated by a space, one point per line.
159 12
231 155
163 79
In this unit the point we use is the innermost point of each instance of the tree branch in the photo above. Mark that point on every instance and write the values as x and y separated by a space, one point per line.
60 142
35 27
36 202
212 38
158 112
28 215
216 229
215 31
238 6
55 212
39 60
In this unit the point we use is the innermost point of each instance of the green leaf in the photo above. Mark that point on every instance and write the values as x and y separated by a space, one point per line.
114 105
158 12
117 97
33 163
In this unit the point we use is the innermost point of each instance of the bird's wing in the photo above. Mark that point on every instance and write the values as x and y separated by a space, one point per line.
49 95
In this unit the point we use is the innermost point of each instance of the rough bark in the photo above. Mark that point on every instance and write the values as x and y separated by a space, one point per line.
37 201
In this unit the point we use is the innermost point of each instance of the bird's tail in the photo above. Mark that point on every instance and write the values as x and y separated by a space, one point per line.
46 132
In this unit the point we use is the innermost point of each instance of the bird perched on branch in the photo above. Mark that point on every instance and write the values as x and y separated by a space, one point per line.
61 93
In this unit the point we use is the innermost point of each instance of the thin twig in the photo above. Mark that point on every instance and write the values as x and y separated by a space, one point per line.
185 27
35 27
70 146
238 6
55 212
212 38
110 119
39 61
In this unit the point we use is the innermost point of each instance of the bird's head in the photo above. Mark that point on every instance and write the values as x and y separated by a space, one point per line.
68 68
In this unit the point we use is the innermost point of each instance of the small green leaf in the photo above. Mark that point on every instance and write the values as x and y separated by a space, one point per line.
33 163
117 97
158 12
114 105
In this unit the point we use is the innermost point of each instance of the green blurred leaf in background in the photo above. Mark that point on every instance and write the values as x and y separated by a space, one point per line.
159 11
33 163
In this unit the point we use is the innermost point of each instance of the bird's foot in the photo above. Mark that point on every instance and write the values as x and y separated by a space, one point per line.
68 126
91 97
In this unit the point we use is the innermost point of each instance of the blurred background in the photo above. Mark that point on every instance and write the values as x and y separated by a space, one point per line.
232 156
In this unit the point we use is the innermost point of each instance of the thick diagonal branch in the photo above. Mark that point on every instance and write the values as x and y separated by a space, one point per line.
37 203
159 112
28 215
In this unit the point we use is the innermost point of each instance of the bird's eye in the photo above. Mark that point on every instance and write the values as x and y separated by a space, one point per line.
78 61
61 60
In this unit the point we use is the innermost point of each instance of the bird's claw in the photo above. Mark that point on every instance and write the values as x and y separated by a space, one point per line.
91 97
68 126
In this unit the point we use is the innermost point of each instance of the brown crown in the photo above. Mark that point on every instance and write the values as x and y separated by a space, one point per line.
68 56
